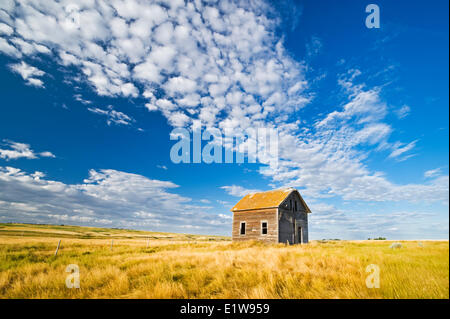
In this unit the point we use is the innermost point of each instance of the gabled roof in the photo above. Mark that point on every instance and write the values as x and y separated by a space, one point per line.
269 199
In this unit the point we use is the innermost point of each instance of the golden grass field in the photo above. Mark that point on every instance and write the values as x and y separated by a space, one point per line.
192 266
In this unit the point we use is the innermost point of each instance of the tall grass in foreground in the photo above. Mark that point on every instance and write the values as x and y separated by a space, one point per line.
209 269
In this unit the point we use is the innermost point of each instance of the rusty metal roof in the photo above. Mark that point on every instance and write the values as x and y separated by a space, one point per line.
269 199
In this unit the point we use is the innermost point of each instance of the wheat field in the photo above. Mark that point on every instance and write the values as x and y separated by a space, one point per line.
161 265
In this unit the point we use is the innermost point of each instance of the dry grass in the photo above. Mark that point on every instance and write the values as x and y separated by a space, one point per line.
185 266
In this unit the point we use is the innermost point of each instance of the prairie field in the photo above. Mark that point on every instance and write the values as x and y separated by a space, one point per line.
115 263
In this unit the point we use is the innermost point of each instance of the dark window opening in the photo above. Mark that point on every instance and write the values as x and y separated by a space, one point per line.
264 228
295 205
242 231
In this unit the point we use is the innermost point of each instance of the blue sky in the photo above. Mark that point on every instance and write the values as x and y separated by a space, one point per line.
91 91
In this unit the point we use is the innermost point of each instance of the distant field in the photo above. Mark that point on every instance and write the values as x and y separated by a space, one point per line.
162 265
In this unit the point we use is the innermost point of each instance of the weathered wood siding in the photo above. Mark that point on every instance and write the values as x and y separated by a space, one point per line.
253 219
289 220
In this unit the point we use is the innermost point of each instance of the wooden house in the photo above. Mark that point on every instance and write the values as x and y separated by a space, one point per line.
277 216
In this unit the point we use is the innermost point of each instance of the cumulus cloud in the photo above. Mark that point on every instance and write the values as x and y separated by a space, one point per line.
105 198
6 29
79 98
9 49
314 46
17 150
238 191
400 148
432 172
329 222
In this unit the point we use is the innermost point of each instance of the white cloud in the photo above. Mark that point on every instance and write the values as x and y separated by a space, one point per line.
5 29
180 85
327 222
326 160
20 150
106 198
178 119
47 154
9 49
147 72
28 73
432 172
403 111
29 48
112 116
400 148
128 89
192 50
364 107
238 191
79 98
227 67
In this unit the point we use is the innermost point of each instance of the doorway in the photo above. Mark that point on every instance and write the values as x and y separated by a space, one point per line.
300 235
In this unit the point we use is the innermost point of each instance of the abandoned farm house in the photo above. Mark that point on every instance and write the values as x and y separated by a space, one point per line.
277 216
